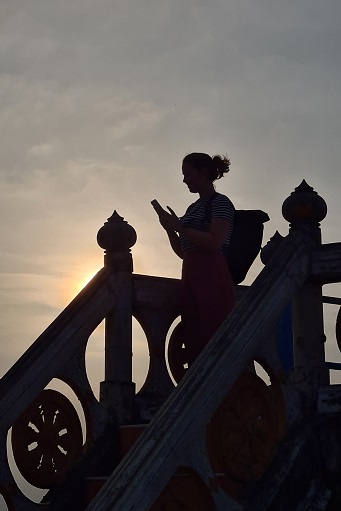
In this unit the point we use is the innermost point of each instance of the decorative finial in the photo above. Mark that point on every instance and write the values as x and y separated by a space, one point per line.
116 235
271 247
304 206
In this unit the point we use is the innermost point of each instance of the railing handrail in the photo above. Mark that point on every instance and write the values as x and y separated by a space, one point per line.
42 360
164 445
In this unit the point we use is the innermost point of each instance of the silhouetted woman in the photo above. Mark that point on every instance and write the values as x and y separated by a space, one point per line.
207 289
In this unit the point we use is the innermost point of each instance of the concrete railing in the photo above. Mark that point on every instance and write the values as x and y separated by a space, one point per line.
58 353
177 437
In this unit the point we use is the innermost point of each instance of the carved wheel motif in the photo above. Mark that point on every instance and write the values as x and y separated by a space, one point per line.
46 439
243 434
184 492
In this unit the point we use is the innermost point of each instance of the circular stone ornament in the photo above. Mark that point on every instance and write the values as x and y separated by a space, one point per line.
46 439
244 432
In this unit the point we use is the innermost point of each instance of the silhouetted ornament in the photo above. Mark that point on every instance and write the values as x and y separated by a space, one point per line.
46 439
116 235
271 247
304 206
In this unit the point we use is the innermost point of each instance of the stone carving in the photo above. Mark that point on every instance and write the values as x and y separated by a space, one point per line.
46 439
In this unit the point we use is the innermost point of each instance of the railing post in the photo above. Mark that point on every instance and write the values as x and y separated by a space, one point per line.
304 209
284 327
117 391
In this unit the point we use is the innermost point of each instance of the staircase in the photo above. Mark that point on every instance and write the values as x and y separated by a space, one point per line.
223 438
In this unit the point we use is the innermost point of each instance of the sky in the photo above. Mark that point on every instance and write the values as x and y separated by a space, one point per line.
99 102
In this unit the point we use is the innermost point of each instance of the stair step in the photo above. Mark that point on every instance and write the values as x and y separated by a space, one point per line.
128 436
94 484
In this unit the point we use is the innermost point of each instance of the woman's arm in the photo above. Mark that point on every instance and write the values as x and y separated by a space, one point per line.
210 240
174 241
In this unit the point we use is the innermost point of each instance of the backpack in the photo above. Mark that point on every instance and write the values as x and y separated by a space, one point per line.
246 239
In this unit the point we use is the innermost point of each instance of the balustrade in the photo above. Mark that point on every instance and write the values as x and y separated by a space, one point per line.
219 429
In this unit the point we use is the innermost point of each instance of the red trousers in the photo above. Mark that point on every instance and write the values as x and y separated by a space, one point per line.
207 297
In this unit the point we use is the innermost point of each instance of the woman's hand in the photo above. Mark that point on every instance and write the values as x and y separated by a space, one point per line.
169 221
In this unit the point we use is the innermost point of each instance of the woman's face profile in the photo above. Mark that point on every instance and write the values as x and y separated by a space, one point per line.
193 178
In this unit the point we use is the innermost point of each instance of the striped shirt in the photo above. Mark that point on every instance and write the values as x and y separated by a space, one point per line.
197 213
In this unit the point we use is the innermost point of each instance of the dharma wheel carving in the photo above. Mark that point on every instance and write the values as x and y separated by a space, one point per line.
184 492
244 432
46 439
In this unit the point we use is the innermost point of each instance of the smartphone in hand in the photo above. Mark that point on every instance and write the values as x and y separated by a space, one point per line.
158 208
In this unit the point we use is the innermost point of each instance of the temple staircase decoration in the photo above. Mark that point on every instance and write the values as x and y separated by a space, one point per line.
254 424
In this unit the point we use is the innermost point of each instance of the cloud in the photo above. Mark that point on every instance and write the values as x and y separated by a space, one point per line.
100 101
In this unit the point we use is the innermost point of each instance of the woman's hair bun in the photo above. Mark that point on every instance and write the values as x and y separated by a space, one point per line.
221 164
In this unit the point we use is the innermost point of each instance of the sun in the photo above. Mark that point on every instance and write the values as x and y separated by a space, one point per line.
74 281
85 279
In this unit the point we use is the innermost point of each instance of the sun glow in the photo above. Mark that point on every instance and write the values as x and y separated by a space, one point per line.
76 280
87 277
